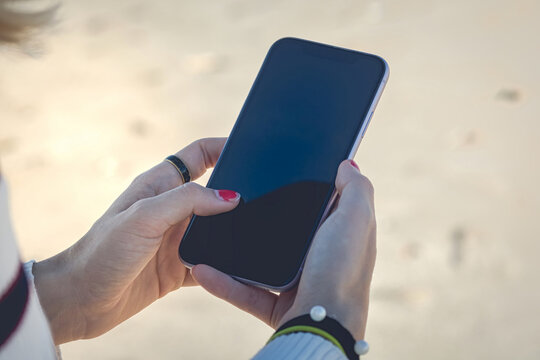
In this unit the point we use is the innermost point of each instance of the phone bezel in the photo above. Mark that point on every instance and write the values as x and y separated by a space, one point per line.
333 197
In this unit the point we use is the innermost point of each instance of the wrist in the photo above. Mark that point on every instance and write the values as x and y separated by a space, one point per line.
318 323
53 279
350 313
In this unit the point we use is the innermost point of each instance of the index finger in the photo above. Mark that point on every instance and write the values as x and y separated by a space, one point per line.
197 156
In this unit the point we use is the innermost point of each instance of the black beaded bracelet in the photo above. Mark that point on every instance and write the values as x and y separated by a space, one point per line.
316 322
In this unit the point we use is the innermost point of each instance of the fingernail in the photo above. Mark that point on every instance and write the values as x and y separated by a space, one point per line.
354 164
227 195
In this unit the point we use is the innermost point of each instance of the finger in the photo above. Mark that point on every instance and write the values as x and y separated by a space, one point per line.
334 206
348 172
201 155
197 156
354 189
153 216
257 302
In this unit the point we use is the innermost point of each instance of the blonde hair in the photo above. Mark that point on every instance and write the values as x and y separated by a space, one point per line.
17 24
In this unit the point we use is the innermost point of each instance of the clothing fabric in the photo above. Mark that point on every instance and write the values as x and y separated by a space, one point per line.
300 346
24 330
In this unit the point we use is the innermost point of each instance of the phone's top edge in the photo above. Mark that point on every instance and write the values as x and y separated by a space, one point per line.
386 68
380 59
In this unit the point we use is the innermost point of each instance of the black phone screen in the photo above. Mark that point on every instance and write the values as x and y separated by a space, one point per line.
300 120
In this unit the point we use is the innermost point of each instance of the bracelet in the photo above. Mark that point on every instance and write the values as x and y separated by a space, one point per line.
316 322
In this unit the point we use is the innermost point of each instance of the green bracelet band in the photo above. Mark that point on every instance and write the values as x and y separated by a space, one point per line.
309 329
317 323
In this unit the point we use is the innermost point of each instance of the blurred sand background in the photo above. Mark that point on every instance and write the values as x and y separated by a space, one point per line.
452 151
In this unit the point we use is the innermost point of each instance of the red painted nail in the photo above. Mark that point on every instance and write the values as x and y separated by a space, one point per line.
227 195
353 163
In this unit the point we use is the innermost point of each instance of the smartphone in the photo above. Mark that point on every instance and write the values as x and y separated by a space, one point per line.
305 113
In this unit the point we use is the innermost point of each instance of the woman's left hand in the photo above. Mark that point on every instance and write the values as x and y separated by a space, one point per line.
129 258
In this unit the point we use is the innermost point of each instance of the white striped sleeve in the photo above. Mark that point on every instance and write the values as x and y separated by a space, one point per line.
24 331
300 346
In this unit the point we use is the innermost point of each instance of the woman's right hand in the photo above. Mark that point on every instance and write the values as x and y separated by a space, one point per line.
338 269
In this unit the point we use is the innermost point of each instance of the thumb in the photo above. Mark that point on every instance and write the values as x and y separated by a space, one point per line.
173 206
258 302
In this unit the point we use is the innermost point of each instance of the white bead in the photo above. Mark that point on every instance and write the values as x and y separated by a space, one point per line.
361 347
317 313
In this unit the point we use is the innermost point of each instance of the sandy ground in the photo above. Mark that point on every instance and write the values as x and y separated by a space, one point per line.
452 151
